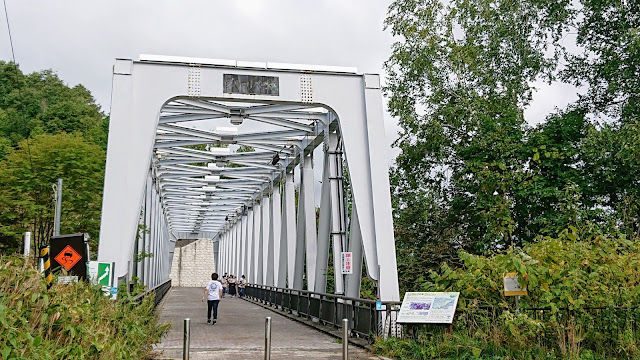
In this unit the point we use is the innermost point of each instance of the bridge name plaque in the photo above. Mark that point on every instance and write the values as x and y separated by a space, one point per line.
251 85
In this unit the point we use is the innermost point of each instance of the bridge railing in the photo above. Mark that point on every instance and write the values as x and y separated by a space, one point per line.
365 320
159 291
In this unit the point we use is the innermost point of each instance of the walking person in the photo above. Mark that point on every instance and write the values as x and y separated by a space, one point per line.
224 285
213 293
232 286
241 285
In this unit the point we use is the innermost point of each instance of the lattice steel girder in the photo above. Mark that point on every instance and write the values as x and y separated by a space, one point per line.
137 103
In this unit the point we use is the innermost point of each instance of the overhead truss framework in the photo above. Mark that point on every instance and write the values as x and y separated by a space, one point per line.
220 149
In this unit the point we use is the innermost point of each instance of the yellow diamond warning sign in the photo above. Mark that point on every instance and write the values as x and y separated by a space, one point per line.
68 257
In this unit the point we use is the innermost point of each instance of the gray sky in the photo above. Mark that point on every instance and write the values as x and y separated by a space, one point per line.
80 39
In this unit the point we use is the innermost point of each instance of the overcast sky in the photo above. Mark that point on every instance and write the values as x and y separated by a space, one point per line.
80 39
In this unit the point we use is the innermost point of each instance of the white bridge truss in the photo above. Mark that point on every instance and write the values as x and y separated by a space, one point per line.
190 157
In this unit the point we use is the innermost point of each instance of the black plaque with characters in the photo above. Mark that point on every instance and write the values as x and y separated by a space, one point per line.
251 85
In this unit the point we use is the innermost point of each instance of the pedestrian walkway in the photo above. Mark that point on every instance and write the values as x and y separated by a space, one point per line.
239 333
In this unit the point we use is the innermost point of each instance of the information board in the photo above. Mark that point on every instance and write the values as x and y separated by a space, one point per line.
428 307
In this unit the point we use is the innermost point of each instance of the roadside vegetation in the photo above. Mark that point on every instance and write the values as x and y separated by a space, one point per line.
48 130
69 321
484 185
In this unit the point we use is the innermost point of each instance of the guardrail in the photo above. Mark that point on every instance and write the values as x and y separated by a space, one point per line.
365 320
159 290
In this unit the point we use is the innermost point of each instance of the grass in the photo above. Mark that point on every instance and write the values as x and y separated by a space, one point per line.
69 321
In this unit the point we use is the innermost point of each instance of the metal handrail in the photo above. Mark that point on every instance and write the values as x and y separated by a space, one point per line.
329 309
368 301
159 290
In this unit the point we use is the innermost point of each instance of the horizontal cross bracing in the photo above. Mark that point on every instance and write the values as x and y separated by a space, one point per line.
206 178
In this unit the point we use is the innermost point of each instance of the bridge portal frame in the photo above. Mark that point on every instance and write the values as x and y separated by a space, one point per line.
141 89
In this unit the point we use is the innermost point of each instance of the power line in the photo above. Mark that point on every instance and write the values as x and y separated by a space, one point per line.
15 64
6 16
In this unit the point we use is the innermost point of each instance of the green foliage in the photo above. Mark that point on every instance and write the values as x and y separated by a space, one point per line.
472 173
584 279
40 103
26 196
69 321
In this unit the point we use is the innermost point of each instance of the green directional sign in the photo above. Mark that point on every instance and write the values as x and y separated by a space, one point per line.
104 274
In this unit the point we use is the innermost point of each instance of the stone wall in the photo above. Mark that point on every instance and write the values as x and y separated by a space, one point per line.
193 263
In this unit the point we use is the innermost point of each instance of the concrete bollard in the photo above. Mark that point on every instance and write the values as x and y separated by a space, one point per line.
345 339
267 338
187 339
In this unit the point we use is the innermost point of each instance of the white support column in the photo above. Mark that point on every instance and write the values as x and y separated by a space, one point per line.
232 246
309 215
227 243
274 236
266 231
257 237
223 258
338 226
237 250
243 241
324 228
296 237
276 230
355 247
248 244
220 255
147 234
288 246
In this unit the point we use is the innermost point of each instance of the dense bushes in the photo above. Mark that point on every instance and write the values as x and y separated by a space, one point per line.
68 321
583 288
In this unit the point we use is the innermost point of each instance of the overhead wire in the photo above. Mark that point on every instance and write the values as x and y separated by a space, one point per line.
15 64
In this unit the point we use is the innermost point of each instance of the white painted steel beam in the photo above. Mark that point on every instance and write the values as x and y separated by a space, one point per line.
162 106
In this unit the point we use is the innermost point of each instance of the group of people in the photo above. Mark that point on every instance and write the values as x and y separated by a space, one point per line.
233 286
216 290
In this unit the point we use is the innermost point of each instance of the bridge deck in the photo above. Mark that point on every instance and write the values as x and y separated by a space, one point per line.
239 332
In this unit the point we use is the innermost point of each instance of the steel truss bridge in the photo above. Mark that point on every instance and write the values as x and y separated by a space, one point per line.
238 152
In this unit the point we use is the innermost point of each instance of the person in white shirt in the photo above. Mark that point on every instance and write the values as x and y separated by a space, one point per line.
213 293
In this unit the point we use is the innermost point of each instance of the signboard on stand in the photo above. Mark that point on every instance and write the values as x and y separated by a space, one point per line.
347 263
70 253
512 286
428 308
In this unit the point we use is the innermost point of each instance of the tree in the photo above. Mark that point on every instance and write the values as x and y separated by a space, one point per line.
458 82
472 173
26 195
41 103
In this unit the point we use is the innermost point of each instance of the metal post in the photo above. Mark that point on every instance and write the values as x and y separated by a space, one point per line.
267 338
56 221
345 339
187 339
27 243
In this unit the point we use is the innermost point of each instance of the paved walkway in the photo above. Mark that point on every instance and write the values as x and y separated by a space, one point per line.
239 333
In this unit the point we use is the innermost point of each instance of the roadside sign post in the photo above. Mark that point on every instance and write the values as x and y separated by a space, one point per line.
512 288
69 253
101 273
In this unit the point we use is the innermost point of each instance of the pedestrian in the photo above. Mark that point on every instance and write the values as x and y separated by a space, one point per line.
224 285
232 286
213 293
241 285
